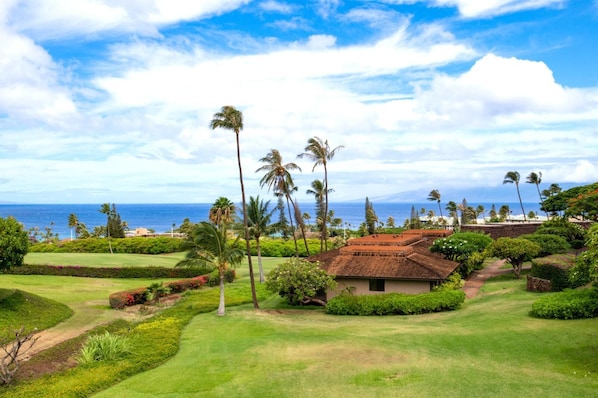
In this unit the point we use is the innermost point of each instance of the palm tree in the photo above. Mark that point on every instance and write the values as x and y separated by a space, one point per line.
230 118
74 223
513 177
434 195
258 218
210 247
317 190
451 207
278 179
319 152
222 212
536 178
105 209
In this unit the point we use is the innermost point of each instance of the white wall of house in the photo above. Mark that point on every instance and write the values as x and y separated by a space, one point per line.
362 286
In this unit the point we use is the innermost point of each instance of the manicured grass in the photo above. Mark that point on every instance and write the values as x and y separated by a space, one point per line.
491 347
22 309
104 259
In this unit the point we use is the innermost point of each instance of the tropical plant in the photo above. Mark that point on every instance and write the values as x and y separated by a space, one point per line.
317 190
461 247
299 281
451 207
513 177
514 250
73 224
370 217
14 243
536 179
320 153
103 347
258 219
230 118
435 196
278 179
222 212
211 248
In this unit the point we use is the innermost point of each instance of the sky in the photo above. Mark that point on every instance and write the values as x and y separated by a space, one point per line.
111 100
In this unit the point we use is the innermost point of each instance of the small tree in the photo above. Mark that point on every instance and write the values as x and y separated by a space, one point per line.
515 250
14 243
299 281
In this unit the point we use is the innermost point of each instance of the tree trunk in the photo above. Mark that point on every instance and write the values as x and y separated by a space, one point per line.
221 302
521 202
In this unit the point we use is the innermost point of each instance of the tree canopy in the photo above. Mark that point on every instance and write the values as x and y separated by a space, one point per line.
14 243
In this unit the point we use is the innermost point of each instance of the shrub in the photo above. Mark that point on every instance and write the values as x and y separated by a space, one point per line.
299 281
124 272
563 228
569 304
553 270
549 244
396 303
214 277
465 248
136 245
103 347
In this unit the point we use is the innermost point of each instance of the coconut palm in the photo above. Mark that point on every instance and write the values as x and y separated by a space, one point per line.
210 247
320 153
105 209
317 190
513 177
536 179
258 219
74 224
230 118
278 179
451 207
434 195
222 212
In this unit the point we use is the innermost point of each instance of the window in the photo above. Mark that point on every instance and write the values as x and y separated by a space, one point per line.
376 285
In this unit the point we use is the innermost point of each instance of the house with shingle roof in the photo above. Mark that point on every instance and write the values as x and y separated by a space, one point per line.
385 263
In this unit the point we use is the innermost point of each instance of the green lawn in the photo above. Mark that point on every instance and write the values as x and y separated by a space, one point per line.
104 259
491 347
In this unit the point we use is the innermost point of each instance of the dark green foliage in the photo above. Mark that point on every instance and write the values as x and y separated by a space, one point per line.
562 227
554 268
576 202
569 304
283 248
514 250
14 243
136 245
396 303
124 272
298 280
371 219
466 248
549 244
214 277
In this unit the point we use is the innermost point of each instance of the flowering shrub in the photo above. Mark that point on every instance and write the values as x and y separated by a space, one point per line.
466 248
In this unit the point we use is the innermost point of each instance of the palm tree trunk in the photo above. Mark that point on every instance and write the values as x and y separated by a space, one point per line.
521 203
325 227
220 311
541 200
292 227
246 228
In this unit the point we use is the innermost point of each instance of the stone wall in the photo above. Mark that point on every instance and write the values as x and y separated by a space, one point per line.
509 229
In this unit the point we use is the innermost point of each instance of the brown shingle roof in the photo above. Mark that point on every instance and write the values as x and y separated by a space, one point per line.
403 256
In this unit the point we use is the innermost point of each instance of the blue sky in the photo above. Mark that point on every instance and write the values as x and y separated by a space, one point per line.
111 101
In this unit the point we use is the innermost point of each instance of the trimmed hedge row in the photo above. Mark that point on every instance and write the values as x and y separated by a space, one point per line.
126 298
124 272
569 304
396 303
136 245
554 268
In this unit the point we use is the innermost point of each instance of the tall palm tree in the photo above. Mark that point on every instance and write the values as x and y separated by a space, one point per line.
434 195
230 118
105 209
300 222
74 224
278 179
210 247
451 207
317 190
258 218
536 179
320 153
513 177
222 212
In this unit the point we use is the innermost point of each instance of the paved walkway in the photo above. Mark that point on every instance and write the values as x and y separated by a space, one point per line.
477 278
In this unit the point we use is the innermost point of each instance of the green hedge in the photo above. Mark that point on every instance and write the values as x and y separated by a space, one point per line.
396 303
569 304
124 272
136 245
549 244
276 247
554 268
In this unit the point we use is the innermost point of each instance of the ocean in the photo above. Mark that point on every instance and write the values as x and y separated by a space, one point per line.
161 217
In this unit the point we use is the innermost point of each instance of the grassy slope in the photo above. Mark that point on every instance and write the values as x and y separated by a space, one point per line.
104 259
491 347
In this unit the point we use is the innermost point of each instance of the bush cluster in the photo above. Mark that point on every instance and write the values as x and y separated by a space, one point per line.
136 245
124 272
396 303
569 304
549 243
554 268
214 277
284 248
126 298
